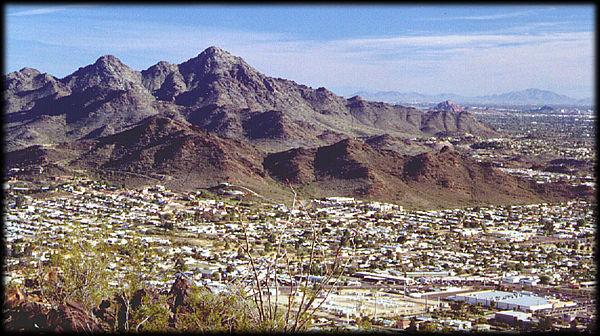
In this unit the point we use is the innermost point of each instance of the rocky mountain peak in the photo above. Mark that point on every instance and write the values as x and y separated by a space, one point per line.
22 88
356 98
111 66
108 60
160 69
26 72
218 92
162 65
448 106
212 59
19 78
107 72
214 50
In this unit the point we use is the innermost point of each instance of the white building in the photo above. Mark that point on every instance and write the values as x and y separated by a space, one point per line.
505 300
512 316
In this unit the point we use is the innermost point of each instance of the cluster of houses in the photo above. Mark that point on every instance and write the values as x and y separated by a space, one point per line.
154 232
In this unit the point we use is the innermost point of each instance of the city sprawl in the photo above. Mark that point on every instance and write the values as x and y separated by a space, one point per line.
410 259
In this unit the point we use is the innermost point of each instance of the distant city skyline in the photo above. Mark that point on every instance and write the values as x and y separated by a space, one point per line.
466 50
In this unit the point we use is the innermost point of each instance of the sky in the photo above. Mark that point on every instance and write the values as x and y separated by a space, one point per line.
462 49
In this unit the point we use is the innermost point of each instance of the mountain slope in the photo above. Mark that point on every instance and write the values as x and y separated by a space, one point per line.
184 157
158 148
449 118
188 155
99 99
215 90
428 180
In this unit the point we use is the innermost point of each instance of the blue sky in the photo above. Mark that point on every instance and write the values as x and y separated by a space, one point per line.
469 50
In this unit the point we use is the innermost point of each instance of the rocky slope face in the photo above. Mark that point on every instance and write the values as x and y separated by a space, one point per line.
216 91
442 178
214 118
447 118
400 145
184 157
99 99
156 148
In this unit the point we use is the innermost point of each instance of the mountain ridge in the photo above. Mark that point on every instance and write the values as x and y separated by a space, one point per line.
531 96
215 90
185 157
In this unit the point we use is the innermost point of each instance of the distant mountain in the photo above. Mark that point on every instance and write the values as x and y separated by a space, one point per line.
586 101
448 118
215 90
408 98
447 106
524 97
528 96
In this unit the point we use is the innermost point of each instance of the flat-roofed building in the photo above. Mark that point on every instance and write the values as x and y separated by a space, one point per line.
512 316
505 300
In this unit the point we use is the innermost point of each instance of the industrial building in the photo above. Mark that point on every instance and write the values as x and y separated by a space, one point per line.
520 301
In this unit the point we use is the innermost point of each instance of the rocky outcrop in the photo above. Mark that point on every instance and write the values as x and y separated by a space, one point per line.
447 106
447 118
29 313
25 314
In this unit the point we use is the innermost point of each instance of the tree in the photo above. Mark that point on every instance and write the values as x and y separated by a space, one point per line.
475 310
413 325
364 323
573 325
547 225
580 223
345 239
166 221
545 324
180 264
428 327
457 306
19 201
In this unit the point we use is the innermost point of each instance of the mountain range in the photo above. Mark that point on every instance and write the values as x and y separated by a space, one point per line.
514 98
217 91
214 118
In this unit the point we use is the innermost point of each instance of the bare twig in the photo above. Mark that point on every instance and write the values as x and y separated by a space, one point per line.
138 326
259 301
310 263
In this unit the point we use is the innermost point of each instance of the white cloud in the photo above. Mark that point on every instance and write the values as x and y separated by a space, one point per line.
500 16
460 40
41 11
494 16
